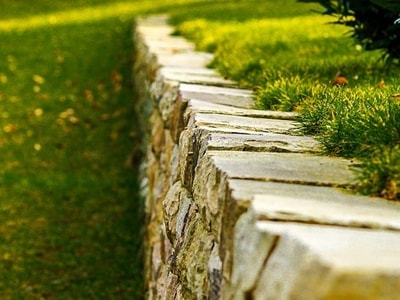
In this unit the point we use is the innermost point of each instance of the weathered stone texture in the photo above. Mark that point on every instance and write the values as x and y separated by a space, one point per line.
239 204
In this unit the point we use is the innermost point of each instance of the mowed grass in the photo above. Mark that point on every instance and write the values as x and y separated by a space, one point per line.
289 55
70 212
71 215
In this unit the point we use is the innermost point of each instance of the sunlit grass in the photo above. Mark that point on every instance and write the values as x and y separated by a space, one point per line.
78 15
70 212
290 61
89 13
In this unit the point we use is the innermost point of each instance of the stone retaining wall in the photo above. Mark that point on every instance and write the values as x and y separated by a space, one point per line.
239 204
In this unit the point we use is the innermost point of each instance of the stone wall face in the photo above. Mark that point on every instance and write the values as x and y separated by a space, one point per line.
240 205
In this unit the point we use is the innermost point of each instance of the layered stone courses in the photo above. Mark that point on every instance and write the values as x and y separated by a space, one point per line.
239 204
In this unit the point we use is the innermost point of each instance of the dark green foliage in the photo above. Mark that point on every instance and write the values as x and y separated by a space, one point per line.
393 5
373 23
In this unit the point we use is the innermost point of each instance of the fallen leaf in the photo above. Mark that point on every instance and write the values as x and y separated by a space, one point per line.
9 128
113 135
3 78
67 113
38 112
88 94
73 120
36 89
115 77
105 117
38 79
380 84
60 122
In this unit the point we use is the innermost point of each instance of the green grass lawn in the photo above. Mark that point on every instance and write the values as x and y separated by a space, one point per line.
71 217
70 212
289 55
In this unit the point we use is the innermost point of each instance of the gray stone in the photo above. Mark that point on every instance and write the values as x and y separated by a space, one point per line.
214 273
185 59
195 76
251 250
220 95
320 262
193 256
237 124
174 165
159 44
263 142
165 94
285 167
339 210
229 108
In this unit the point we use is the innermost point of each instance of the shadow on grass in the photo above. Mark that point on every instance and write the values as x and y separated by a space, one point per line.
70 208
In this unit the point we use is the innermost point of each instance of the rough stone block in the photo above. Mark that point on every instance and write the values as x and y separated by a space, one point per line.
285 167
176 120
157 134
228 107
219 95
185 59
320 262
192 257
209 193
262 142
241 124
175 208
338 209
165 94
195 76
296 260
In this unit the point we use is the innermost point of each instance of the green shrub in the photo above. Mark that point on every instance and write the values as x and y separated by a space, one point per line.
373 23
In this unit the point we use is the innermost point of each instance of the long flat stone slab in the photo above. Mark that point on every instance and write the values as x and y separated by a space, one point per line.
162 44
262 142
299 261
285 167
340 210
226 108
195 76
185 59
219 95
235 123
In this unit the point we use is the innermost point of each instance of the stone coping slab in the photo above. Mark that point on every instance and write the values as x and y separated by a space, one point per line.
181 59
194 75
219 95
296 168
262 142
299 261
227 107
235 123
344 211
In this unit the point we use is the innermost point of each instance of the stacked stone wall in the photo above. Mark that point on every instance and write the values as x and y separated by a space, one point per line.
239 204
